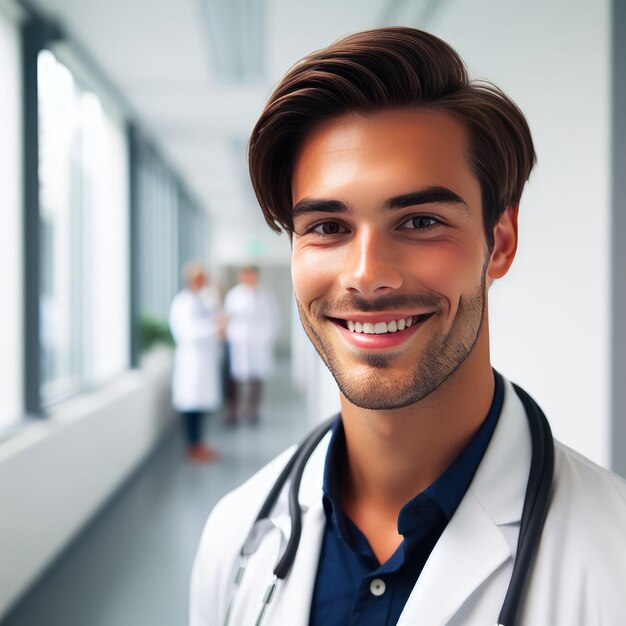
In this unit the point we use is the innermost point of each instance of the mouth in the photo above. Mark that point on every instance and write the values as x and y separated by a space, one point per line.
374 326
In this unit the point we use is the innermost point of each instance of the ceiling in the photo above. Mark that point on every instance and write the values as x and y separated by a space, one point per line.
195 75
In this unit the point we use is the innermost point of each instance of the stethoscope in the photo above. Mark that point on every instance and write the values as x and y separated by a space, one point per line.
534 512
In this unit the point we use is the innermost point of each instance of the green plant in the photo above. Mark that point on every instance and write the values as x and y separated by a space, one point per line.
153 332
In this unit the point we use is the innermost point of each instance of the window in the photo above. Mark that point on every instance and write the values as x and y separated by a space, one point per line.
83 172
173 230
11 330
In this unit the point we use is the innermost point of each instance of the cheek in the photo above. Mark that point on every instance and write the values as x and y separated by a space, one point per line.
446 268
450 270
312 274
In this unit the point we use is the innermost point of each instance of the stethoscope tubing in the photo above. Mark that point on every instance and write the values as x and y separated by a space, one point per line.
295 465
536 504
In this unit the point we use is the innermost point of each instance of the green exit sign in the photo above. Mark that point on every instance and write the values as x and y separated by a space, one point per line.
256 247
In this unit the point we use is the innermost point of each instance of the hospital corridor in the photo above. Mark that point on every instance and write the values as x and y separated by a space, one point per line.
173 262
141 545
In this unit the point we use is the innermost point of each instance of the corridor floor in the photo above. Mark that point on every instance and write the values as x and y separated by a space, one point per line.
131 565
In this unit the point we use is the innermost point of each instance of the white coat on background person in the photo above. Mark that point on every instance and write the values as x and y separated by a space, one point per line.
577 578
196 326
253 324
194 322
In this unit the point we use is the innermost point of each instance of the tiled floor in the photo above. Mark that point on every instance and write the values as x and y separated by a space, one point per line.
131 565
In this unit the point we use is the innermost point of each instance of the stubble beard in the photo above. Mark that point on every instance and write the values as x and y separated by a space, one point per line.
383 389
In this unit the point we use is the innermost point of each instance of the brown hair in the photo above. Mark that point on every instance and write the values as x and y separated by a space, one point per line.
382 69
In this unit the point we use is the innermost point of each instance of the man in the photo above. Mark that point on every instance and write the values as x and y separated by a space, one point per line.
399 183
196 325
253 323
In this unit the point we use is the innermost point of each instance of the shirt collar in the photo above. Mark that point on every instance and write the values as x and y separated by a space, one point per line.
446 492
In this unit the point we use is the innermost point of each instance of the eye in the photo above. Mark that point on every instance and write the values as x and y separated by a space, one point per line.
328 228
420 222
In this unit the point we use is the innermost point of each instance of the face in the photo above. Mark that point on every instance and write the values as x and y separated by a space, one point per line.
248 277
390 263
198 281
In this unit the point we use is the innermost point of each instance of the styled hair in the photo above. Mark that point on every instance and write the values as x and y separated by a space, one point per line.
191 269
383 69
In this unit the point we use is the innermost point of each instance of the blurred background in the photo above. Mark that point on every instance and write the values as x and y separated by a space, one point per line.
123 131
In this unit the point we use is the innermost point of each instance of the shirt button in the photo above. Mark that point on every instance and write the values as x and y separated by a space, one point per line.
377 587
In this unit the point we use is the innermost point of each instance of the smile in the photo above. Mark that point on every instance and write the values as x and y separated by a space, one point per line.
380 333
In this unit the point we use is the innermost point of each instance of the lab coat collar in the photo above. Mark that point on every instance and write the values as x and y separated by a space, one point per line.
501 478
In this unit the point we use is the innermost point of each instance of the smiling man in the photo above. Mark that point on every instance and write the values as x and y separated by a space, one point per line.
398 181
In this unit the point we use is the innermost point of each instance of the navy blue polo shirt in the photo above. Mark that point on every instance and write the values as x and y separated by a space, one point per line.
351 586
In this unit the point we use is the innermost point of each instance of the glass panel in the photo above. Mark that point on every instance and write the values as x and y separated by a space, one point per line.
84 233
11 330
59 145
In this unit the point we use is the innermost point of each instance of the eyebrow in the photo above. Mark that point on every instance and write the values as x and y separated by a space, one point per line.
430 195
440 195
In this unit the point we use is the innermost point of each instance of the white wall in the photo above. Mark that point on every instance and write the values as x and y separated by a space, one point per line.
550 315
57 473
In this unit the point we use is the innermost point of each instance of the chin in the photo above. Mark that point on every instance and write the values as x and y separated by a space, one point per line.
383 382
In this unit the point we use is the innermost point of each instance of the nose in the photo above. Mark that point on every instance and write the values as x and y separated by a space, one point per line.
371 267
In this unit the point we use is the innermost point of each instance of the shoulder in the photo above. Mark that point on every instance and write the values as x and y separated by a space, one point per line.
181 296
581 479
581 568
234 293
245 501
588 515
231 518
180 300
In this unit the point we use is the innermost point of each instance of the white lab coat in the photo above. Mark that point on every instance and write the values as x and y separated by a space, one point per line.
579 577
252 329
196 383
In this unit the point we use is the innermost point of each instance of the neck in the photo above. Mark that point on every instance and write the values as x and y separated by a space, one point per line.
395 454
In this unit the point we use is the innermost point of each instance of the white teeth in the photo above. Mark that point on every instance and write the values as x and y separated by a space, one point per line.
379 328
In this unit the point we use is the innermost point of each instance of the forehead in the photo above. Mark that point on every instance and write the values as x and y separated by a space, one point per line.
412 147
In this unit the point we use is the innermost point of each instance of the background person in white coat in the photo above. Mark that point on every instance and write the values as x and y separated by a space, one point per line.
399 182
253 322
196 323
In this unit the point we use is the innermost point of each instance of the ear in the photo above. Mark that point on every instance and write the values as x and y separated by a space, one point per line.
504 244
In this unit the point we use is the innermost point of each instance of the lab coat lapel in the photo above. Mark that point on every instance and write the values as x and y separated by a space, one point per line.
469 551
473 546
293 605
293 601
